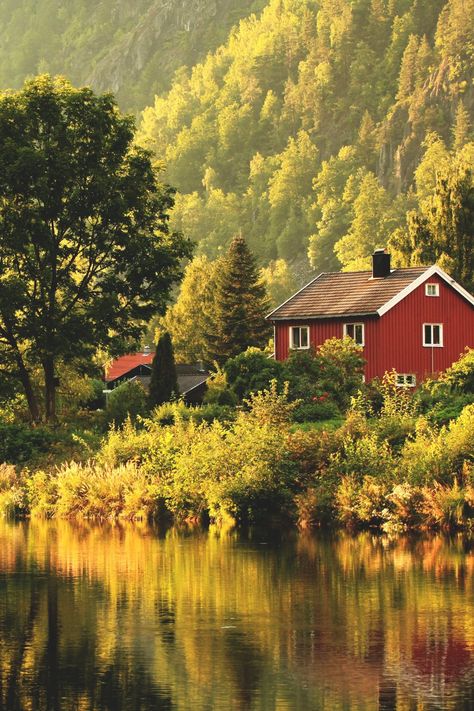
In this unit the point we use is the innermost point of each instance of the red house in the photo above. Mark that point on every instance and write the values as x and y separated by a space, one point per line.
416 321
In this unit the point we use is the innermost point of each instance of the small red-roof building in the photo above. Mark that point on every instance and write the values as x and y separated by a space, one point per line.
416 321
192 379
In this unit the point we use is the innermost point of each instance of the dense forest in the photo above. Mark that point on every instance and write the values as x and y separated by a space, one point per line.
130 48
320 129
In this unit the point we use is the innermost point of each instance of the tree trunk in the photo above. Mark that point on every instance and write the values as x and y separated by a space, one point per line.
50 390
28 388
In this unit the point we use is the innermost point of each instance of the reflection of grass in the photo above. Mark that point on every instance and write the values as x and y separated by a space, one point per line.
214 617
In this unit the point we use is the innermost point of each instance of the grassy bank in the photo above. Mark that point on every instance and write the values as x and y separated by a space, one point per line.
391 470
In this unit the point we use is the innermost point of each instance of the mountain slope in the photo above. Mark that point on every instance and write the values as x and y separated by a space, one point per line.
130 48
318 125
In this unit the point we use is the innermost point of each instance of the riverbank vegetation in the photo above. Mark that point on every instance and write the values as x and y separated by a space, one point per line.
392 464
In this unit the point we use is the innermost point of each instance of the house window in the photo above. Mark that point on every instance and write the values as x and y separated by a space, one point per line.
433 334
355 331
299 337
406 380
432 289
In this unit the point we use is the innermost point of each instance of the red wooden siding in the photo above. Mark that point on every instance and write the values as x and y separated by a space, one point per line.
396 339
400 336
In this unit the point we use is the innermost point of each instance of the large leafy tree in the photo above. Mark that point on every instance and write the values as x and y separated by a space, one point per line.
86 255
240 306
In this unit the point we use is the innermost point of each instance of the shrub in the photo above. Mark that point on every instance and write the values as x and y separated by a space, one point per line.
405 505
320 409
444 506
104 492
128 400
315 505
218 391
252 371
361 502
12 492
460 376
20 443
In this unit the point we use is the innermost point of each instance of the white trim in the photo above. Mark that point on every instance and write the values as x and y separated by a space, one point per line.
441 335
430 284
201 382
293 296
404 383
299 348
354 323
431 271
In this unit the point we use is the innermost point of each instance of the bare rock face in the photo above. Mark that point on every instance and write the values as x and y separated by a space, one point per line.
154 25
129 47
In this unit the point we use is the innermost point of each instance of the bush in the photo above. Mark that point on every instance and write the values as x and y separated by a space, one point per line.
95 491
128 400
316 411
12 492
252 371
218 391
460 376
21 443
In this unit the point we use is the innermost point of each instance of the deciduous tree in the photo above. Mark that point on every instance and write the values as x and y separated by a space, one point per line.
86 255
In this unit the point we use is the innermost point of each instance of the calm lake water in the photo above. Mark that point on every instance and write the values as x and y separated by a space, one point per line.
95 618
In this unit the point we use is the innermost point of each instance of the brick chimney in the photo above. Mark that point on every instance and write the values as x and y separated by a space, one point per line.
380 264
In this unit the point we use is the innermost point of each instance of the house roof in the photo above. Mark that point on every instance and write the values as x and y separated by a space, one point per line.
126 363
189 376
342 294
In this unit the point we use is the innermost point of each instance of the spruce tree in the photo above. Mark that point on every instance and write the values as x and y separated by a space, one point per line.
164 382
241 305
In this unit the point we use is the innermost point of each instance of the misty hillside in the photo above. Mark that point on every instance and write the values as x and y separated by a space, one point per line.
130 48
318 126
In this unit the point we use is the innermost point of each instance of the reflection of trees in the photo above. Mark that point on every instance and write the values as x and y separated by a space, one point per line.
116 618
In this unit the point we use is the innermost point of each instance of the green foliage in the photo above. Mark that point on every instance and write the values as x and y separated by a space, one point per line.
21 443
251 371
141 44
442 231
240 305
163 382
127 400
13 501
283 130
86 250
190 318
460 376
218 391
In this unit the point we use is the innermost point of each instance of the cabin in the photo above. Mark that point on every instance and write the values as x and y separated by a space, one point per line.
192 379
416 321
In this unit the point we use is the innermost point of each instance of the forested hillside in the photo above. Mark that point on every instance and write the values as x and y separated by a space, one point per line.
318 126
130 48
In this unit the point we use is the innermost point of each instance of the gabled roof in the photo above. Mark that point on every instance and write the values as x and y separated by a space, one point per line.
350 294
189 375
126 363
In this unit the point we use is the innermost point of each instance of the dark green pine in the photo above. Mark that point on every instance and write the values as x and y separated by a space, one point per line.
241 305
164 382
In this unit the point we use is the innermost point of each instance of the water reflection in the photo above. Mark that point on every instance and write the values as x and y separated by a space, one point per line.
98 618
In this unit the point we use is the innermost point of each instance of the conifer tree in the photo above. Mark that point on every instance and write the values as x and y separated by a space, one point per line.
164 382
461 128
241 305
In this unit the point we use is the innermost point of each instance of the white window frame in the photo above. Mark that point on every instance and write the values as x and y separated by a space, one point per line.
441 335
406 380
299 348
362 325
431 286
